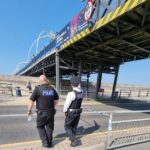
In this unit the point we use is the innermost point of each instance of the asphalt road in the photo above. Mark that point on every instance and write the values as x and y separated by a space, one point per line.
14 127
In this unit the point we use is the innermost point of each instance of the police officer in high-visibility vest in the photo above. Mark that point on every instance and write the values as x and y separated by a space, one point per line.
72 110
46 100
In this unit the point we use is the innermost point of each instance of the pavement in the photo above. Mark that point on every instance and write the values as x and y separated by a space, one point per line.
23 101
17 106
94 141
90 140
63 143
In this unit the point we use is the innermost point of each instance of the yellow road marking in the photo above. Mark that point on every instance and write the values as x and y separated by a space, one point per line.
38 141
101 134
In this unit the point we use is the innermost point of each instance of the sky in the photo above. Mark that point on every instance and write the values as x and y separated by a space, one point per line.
21 21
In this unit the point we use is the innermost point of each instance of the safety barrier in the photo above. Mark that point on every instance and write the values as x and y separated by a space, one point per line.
134 93
124 132
6 89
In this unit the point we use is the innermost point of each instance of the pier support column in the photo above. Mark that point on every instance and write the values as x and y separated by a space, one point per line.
57 71
99 80
80 70
115 81
87 84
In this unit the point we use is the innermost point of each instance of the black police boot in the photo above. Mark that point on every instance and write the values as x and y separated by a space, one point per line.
45 145
78 142
73 143
50 144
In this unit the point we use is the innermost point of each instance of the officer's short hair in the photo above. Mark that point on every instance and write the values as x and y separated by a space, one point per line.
75 81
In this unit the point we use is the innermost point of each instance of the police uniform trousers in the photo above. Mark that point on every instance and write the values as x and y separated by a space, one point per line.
71 123
45 126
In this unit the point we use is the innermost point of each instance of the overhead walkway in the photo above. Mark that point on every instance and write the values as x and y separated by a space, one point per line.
118 32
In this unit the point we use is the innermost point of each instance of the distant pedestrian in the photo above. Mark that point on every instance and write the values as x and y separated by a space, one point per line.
46 100
29 86
72 110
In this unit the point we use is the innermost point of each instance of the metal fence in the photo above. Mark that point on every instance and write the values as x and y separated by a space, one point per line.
6 89
134 93
127 132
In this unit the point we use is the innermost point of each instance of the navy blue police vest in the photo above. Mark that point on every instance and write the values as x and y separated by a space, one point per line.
45 100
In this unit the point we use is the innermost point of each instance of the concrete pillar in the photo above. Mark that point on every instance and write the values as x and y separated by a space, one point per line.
57 70
80 70
60 81
99 80
87 88
115 81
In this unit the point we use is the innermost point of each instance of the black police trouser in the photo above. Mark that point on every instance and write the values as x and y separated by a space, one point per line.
71 123
45 126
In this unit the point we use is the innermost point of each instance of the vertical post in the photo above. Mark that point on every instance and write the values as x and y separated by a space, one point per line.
87 84
73 64
11 90
120 94
139 93
99 80
130 93
115 81
57 70
110 122
43 71
60 82
98 9
108 131
147 93
80 70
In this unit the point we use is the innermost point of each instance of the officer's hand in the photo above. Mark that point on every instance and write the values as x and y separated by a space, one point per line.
55 111
66 114
29 113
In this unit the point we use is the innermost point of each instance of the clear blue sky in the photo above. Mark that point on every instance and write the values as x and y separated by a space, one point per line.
22 20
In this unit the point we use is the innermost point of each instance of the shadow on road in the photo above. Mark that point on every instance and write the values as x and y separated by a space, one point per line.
81 132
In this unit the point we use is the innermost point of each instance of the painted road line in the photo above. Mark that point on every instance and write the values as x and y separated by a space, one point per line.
100 134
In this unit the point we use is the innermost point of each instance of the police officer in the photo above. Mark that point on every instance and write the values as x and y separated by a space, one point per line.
72 110
46 100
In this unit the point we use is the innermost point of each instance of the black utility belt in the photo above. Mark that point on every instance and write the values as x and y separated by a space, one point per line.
75 110
47 110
